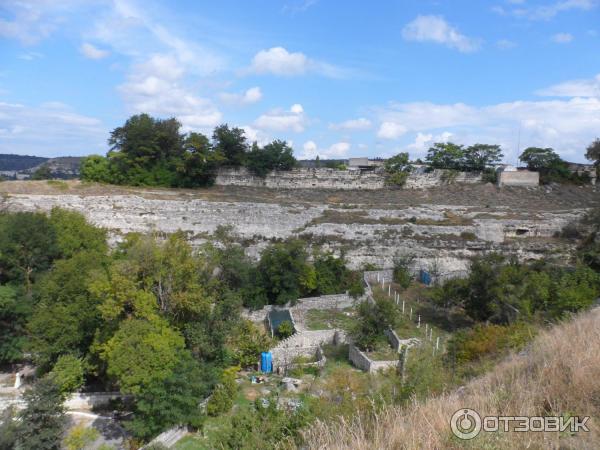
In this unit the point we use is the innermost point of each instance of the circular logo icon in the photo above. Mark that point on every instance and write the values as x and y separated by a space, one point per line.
465 424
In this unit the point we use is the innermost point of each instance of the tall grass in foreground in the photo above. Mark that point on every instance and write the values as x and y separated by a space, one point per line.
559 374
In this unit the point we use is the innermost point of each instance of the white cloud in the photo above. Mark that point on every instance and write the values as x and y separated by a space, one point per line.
436 29
90 51
30 56
391 130
574 88
255 135
281 62
352 125
155 87
566 125
505 44
334 151
252 95
562 38
549 11
424 140
51 129
279 120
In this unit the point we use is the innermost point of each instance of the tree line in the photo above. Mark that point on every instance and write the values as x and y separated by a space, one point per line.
147 151
150 318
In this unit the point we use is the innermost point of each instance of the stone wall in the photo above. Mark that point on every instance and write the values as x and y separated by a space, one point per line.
524 178
308 178
361 361
303 179
420 179
303 343
87 401
398 343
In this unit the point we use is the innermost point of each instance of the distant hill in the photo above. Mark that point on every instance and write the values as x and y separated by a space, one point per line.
19 167
19 162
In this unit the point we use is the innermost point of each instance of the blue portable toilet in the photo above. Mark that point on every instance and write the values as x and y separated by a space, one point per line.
266 362
425 277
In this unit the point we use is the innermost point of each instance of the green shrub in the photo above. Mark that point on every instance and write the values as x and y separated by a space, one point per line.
68 373
285 329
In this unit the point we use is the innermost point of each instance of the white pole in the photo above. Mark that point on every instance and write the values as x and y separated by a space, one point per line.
378 277
426 331
410 314
419 322
431 334
389 290
402 307
437 343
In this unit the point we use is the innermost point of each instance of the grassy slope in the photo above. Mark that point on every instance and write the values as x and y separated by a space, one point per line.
559 374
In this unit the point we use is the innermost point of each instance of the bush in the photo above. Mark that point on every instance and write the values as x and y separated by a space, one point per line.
68 373
285 329
488 341
402 273
221 400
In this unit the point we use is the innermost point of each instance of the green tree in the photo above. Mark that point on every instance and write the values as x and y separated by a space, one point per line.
397 168
231 144
43 419
200 162
478 157
402 273
142 352
446 156
277 155
221 400
373 320
145 151
96 168
67 373
74 234
81 437
14 310
66 315
27 246
172 401
8 429
592 152
539 158
42 173
285 273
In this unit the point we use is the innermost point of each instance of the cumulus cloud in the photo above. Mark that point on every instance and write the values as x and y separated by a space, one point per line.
391 130
92 52
567 125
279 61
562 38
52 129
155 87
352 125
252 95
435 29
574 88
334 151
279 120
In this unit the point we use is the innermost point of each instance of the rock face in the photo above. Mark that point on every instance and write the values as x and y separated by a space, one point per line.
441 237
312 178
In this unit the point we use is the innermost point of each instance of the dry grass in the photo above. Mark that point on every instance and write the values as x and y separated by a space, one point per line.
558 375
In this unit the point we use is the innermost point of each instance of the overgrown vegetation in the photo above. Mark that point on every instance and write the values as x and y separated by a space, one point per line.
146 151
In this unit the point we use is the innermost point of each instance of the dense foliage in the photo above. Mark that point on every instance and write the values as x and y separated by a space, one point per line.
477 157
146 151
551 166
503 291
150 318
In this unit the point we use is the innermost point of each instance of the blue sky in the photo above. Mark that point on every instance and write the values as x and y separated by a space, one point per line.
336 79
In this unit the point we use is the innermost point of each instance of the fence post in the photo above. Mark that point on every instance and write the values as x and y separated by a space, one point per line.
419 322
